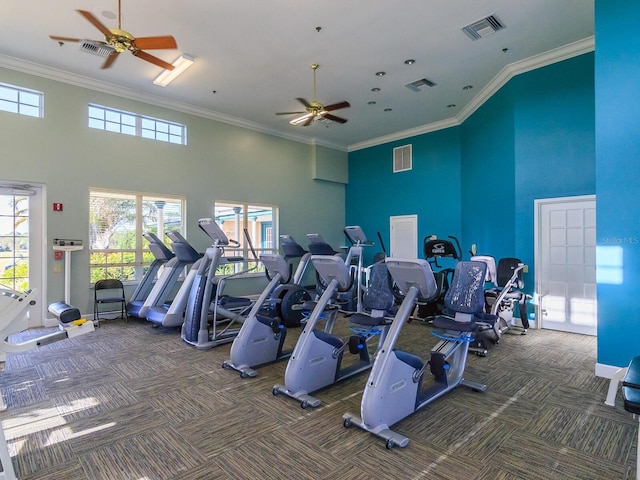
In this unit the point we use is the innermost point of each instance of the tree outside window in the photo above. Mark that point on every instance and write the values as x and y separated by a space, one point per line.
116 223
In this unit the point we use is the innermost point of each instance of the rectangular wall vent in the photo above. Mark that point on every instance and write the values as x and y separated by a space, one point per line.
96 48
402 160
483 27
420 85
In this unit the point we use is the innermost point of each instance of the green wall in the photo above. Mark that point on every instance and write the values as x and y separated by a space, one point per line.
220 162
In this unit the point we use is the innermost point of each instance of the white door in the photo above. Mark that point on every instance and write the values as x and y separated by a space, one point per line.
21 243
566 264
404 236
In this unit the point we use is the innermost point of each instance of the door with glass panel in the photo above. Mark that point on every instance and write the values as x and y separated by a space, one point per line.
21 242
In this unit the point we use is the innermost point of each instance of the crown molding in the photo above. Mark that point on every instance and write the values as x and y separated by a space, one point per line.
528 64
507 73
50 73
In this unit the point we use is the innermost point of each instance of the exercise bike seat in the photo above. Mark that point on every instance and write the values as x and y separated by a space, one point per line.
369 320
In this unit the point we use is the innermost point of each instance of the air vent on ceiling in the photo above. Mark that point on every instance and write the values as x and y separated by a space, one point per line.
420 85
483 27
402 160
96 48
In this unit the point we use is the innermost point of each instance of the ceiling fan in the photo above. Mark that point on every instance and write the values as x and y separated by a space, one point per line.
315 110
117 41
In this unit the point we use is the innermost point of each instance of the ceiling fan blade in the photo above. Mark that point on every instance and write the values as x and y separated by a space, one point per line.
155 43
150 58
308 122
64 39
336 106
96 23
304 102
290 113
110 59
333 118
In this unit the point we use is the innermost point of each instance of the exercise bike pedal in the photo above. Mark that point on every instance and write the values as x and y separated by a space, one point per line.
276 326
357 343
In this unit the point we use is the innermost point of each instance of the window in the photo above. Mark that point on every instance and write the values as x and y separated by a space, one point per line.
259 221
21 101
117 221
127 123
14 239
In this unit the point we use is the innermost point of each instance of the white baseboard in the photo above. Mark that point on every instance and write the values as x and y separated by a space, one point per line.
606 371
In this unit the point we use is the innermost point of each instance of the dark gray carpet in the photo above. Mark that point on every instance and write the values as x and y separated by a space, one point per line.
129 401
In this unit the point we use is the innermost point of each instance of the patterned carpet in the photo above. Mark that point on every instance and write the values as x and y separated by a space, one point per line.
129 401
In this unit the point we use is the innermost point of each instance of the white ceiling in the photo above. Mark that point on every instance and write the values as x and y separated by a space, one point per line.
256 56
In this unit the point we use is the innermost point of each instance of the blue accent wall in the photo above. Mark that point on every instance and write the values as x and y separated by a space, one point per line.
430 190
554 140
488 177
617 70
533 139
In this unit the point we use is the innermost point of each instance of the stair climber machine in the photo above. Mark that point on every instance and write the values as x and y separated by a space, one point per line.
436 249
262 335
394 389
211 318
171 314
185 255
317 358
161 256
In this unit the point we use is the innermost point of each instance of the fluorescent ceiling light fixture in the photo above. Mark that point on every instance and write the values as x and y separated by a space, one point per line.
302 119
179 66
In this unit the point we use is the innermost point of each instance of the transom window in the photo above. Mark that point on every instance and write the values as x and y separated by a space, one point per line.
117 221
127 123
21 101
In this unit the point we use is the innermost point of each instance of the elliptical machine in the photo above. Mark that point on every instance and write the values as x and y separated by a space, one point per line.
261 337
394 389
316 361
208 320
287 296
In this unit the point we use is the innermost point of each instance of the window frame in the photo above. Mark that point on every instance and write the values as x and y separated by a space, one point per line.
137 125
141 246
251 265
21 106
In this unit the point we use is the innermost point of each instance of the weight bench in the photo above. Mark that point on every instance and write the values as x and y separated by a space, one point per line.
631 396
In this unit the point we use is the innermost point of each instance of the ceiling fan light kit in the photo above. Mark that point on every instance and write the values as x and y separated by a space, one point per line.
179 66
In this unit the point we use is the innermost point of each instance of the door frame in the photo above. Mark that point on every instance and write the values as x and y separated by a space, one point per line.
537 209
37 248
392 219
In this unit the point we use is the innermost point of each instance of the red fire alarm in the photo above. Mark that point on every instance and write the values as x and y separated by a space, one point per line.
57 255
57 207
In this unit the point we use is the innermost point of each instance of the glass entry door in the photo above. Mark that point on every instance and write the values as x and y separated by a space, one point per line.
21 243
